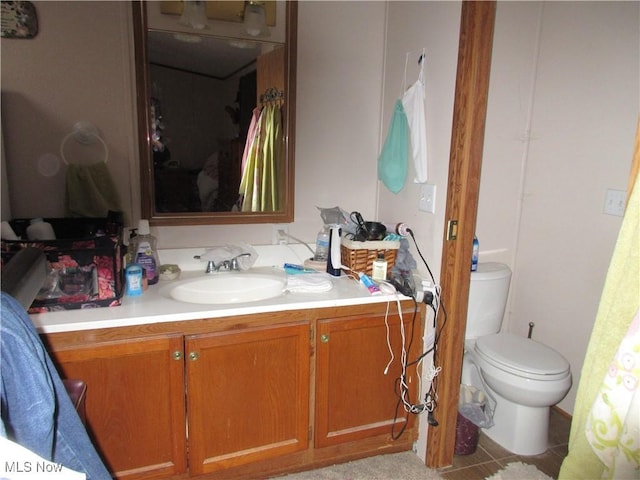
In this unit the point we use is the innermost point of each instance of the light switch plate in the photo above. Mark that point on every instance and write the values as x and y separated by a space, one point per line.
427 198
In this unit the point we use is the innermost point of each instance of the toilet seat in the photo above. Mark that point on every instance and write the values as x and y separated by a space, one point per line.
522 356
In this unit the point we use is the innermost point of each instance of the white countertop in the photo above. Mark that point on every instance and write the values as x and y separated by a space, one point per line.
154 306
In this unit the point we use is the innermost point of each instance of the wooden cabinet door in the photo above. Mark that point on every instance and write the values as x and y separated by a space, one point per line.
135 406
248 395
355 399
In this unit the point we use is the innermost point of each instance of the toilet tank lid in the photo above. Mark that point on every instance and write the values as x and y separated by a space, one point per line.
490 271
523 354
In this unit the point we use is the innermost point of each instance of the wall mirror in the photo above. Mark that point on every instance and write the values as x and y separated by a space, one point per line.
198 93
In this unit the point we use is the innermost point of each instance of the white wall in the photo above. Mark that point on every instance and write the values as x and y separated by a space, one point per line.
412 26
340 53
76 69
563 109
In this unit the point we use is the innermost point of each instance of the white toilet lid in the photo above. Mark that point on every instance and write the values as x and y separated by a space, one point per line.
522 356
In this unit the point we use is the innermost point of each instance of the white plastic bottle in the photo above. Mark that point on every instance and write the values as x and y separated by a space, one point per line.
7 233
38 229
145 253
322 245
379 270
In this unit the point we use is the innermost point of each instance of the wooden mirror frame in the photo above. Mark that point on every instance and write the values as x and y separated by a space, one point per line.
147 193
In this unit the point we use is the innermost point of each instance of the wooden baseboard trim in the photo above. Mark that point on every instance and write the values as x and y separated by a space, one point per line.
562 412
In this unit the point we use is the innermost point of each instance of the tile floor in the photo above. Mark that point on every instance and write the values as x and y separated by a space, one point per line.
489 457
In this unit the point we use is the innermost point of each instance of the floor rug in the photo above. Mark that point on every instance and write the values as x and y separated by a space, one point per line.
396 466
519 471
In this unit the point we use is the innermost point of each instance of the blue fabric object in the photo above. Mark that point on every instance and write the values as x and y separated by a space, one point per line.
37 412
392 163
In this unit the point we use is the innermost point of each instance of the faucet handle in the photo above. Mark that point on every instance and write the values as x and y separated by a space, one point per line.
234 261
211 267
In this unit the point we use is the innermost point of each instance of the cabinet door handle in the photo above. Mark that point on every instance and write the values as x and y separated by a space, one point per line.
177 355
193 356
324 338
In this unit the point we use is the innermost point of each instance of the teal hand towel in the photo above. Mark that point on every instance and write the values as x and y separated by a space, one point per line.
392 162
90 191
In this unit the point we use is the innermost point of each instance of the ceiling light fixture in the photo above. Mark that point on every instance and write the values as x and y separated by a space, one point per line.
255 21
194 15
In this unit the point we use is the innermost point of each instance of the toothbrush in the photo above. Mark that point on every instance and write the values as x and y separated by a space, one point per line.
297 268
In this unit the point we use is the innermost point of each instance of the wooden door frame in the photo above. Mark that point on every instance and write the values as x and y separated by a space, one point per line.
467 142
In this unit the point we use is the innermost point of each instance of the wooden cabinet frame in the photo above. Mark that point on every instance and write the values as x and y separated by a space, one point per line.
252 346
272 366
148 366
356 378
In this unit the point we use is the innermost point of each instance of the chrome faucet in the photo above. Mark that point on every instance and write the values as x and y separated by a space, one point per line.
225 265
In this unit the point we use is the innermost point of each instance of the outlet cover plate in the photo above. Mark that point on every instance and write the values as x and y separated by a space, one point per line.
614 202
277 238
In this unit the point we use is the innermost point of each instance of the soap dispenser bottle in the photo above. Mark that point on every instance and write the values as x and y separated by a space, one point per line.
144 252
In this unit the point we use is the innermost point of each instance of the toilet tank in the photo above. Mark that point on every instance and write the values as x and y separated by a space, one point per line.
488 293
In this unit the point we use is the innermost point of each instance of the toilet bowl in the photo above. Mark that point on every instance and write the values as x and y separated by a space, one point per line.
522 376
522 370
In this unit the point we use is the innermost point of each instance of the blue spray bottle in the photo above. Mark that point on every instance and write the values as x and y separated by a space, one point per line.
474 254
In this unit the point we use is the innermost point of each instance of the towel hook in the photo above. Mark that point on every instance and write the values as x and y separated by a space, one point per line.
84 133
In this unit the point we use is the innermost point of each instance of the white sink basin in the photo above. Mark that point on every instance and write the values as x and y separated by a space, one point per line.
228 287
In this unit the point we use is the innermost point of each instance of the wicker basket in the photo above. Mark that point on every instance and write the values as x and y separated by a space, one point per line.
359 256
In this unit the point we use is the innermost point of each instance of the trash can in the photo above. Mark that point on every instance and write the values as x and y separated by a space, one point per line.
474 413
467 435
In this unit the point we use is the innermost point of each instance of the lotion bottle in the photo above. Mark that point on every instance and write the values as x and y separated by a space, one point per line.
144 252
379 271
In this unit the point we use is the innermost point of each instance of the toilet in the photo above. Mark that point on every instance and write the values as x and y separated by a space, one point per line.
523 376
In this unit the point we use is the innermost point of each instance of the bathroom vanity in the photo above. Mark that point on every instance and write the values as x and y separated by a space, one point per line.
180 390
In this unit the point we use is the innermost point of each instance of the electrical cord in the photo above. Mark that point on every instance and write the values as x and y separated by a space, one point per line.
288 235
386 324
437 306
401 384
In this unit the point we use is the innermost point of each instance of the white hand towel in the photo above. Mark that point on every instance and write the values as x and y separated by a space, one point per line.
309 283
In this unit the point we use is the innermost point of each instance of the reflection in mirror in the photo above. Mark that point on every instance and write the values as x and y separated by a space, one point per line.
200 117
215 125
